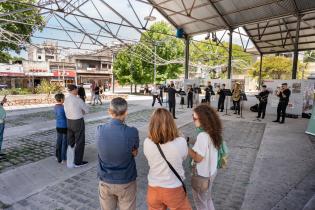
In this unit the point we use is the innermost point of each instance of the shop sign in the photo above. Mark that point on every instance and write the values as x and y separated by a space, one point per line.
64 73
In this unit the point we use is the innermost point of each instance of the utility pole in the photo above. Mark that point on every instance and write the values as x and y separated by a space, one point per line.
154 62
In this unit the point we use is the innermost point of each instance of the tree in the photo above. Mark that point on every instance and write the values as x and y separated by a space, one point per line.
14 32
130 69
213 54
275 67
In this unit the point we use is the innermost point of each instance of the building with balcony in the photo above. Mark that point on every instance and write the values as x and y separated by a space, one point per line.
93 67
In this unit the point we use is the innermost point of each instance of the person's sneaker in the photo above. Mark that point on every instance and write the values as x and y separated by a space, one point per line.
83 163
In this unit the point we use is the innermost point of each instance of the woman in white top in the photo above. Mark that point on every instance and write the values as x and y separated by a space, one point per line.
165 190
205 154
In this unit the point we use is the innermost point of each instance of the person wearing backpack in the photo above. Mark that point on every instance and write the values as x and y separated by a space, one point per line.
204 154
165 151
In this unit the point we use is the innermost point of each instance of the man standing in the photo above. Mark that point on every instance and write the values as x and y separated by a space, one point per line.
190 96
221 93
172 99
263 100
156 95
2 118
81 92
161 92
117 146
209 91
75 109
284 94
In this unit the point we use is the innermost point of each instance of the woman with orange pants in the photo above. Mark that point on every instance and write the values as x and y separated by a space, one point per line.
165 151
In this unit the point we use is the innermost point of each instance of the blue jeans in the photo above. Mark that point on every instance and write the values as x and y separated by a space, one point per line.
61 146
1 134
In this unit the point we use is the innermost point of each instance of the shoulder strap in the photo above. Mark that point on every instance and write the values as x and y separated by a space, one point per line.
171 167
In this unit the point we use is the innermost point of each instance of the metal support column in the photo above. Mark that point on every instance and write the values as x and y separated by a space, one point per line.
230 55
260 69
296 49
186 57
113 76
154 78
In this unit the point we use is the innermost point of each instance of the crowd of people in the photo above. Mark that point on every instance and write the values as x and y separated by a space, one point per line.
165 149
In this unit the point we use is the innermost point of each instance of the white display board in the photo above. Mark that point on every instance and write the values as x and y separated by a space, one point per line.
297 102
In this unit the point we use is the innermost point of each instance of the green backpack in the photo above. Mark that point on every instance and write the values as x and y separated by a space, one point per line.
222 155
222 152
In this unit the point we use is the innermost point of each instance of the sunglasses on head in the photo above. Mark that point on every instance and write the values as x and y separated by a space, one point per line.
194 118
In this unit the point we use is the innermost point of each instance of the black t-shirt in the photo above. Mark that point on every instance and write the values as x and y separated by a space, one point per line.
285 95
81 92
263 96
97 90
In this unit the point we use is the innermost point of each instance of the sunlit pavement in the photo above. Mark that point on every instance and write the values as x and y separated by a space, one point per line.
271 166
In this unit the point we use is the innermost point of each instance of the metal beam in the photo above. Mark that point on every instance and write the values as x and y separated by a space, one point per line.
296 48
251 38
187 40
220 15
230 55
260 70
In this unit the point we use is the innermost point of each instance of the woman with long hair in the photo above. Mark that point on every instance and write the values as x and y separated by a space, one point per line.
165 189
205 155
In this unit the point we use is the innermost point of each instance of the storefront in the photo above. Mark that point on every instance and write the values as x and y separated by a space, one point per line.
12 76
64 76
99 78
35 72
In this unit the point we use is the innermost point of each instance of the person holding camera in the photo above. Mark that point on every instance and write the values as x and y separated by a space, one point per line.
284 94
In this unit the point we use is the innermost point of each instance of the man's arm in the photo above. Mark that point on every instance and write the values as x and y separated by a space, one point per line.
84 107
135 139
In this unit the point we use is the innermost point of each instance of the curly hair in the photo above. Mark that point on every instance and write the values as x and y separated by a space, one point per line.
210 122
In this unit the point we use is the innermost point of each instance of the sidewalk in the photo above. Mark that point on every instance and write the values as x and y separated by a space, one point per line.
271 166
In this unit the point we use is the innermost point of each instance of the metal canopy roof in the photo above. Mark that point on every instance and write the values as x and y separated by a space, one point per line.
270 24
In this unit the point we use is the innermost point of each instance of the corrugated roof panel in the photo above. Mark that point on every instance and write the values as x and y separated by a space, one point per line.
305 4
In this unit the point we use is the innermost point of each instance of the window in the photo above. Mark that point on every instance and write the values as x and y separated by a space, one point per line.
39 57
109 66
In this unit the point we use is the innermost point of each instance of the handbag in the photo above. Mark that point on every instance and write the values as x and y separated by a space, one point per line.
199 183
171 167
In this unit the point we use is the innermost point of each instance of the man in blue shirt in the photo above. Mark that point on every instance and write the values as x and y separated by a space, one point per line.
117 146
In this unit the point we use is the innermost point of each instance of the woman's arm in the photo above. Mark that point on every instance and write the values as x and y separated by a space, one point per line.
194 155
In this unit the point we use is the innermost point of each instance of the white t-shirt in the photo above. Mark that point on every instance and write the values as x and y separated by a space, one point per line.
204 147
75 108
160 175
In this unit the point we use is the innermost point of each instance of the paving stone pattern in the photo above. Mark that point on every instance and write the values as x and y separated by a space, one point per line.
80 191
24 119
34 147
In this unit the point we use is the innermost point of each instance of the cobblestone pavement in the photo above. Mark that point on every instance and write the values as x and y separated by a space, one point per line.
42 116
80 191
34 147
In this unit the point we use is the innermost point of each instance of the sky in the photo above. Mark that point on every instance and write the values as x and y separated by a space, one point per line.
103 13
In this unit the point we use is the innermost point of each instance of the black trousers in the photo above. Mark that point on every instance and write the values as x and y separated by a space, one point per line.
161 97
158 98
76 137
190 102
281 110
221 103
237 107
262 109
171 105
207 98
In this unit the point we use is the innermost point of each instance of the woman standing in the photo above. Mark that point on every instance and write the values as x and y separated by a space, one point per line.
165 189
205 155
236 97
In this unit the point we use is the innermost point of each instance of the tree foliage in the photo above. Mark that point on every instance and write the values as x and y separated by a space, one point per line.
214 54
31 18
275 67
48 88
130 69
